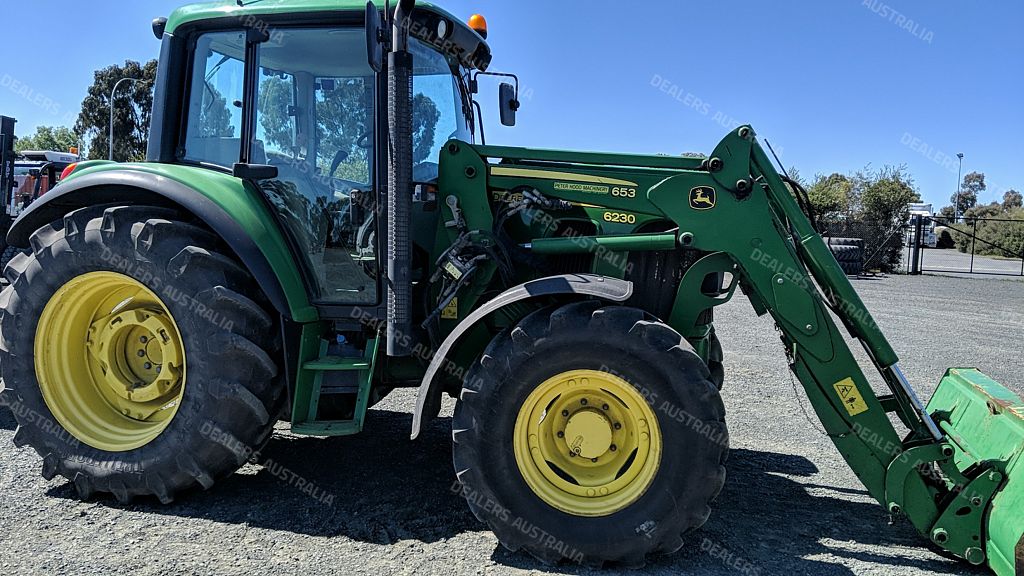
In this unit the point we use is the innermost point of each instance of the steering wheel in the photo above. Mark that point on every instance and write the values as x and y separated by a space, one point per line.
340 157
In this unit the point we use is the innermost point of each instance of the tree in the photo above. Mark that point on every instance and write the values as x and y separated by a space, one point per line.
275 98
999 232
1012 200
52 138
425 116
133 108
795 176
215 117
830 196
886 199
972 187
342 123
885 206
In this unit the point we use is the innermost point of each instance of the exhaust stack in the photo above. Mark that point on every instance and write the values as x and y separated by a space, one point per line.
399 191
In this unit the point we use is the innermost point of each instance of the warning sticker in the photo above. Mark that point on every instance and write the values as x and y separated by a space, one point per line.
851 397
451 311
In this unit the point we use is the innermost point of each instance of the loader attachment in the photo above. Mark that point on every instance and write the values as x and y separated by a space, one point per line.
984 421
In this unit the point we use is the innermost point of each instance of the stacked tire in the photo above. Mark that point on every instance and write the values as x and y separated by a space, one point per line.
849 253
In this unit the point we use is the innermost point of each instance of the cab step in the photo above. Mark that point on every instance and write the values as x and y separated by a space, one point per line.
337 364
315 372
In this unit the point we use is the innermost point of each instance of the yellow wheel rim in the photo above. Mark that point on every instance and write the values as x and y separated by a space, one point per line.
587 443
110 361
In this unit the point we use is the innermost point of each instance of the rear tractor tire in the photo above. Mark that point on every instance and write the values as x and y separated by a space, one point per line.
590 434
138 359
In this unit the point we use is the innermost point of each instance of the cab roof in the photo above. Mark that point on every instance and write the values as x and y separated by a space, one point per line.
474 53
256 8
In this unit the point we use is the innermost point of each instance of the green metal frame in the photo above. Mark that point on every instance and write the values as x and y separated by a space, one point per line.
756 232
311 375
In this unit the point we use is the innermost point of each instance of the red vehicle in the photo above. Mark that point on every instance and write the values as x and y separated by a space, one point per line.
24 177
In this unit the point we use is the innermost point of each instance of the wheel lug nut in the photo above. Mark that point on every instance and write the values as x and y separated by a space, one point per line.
572 454
618 426
143 339
604 407
147 366
141 353
594 460
583 402
561 434
613 447
565 413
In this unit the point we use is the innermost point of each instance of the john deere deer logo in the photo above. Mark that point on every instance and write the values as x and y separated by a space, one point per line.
702 198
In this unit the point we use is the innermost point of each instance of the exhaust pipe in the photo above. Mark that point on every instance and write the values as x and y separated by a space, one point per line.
399 192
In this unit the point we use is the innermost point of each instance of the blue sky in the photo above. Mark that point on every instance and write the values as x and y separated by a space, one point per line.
833 85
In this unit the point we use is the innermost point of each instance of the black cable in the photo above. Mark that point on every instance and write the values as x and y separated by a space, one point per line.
804 200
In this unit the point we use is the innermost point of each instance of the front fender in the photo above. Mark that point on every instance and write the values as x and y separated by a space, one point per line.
428 400
229 206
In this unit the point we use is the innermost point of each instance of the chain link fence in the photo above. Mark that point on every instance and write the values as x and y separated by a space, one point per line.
992 246
883 244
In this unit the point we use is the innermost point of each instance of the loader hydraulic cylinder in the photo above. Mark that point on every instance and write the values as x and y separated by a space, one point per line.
593 244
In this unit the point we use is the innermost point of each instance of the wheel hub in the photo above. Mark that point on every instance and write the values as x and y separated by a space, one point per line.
110 361
588 434
587 443
137 355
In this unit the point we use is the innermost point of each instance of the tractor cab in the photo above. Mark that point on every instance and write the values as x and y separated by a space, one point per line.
293 104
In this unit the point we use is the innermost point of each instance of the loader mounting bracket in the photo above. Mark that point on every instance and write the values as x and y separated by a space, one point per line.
960 527
730 162
907 463
691 300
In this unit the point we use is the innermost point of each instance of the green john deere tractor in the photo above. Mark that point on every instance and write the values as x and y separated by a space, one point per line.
318 224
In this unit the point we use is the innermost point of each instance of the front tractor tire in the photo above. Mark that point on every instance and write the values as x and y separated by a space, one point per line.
590 434
137 357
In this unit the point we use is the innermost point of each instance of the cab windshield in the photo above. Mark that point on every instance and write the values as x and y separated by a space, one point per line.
316 112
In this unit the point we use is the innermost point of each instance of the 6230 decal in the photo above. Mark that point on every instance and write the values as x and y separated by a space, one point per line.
620 217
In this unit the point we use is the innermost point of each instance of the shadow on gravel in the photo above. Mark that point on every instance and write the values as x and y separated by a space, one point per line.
377 487
7 421
765 523
384 488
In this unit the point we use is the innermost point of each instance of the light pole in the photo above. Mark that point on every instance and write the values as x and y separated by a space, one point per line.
959 186
112 93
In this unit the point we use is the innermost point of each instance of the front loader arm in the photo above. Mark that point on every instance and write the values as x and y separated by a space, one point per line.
788 271
950 475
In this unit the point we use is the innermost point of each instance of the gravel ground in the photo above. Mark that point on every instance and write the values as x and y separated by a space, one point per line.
791 506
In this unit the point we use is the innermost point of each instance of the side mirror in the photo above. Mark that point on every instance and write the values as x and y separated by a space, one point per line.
159 25
374 38
509 104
